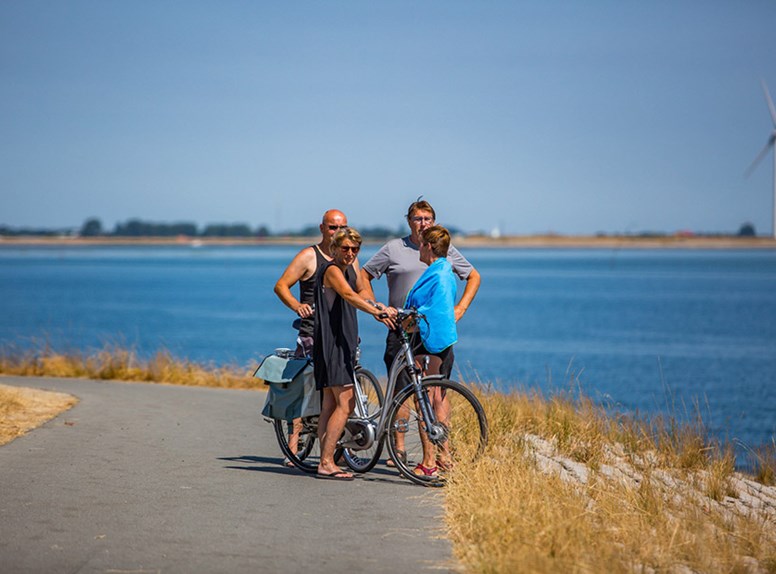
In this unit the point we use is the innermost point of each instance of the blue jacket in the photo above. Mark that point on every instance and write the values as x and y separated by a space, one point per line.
434 296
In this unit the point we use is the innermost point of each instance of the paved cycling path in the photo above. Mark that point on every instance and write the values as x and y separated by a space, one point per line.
159 478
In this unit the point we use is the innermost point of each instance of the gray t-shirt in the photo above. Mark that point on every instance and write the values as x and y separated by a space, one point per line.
400 260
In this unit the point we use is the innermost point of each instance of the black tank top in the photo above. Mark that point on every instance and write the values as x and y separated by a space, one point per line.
307 293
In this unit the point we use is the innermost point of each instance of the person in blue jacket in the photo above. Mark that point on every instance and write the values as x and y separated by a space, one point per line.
433 295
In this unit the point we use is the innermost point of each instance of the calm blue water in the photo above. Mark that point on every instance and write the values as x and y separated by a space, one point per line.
639 329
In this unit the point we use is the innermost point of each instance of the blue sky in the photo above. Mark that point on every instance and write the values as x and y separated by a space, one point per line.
534 117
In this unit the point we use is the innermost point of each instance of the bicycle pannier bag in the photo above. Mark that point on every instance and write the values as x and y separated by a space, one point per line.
292 393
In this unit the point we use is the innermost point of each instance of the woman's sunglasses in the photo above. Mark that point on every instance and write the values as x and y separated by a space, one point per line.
346 248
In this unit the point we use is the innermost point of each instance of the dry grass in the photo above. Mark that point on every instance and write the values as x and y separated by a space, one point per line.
764 463
564 487
117 363
22 410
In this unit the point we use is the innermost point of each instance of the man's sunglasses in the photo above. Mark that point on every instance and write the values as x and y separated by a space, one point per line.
335 227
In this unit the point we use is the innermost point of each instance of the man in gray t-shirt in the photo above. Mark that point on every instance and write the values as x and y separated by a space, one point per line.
399 260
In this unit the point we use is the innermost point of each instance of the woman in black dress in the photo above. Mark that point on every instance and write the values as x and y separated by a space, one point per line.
338 294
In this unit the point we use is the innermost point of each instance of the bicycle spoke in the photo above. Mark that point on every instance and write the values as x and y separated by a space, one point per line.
307 452
459 432
364 459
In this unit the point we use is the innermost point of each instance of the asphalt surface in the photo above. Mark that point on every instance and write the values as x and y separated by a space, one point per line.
152 478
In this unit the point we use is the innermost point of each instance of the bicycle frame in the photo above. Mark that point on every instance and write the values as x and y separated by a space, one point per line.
405 359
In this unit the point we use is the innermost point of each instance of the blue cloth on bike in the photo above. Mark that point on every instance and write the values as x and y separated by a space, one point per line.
434 296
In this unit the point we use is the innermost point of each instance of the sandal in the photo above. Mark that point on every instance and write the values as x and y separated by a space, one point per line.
425 471
444 465
336 475
401 455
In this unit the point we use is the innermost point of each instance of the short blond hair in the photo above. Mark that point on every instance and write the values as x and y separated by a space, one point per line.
343 234
438 238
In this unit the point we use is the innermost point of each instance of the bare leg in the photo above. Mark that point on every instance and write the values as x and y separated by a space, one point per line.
429 451
442 411
293 436
304 348
404 414
338 403
328 404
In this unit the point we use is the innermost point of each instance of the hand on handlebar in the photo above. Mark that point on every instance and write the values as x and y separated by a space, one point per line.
386 320
386 316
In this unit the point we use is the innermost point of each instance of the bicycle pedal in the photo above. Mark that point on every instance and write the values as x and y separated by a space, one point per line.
402 426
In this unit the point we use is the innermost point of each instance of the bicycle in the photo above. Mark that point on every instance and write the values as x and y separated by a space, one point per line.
369 400
459 431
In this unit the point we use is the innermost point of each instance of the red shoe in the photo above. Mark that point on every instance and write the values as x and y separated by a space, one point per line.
421 470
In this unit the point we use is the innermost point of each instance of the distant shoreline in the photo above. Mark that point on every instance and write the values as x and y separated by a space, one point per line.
527 242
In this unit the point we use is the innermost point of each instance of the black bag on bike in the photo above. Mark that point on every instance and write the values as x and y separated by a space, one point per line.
292 393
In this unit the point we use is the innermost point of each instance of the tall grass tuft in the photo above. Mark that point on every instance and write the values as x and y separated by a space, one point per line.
763 461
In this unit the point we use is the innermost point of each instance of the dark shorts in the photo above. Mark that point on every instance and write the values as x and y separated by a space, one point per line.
421 350
393 346
304 346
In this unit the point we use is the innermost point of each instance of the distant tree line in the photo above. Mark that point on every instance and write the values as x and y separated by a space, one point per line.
746 230
93 227
137 228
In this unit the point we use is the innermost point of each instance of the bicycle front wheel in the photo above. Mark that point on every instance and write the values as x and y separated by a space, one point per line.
303 433
364 460
458 431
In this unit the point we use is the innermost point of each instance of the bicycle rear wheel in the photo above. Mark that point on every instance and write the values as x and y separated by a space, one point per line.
462 431
364 460
308 451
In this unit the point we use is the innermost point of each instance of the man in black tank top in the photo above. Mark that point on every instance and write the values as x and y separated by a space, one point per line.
303 269
306 297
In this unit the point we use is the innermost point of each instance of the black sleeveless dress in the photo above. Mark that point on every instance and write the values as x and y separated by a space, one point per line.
336 333
307 293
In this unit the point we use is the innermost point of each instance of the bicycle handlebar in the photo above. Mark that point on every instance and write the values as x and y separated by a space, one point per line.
409 312
406 313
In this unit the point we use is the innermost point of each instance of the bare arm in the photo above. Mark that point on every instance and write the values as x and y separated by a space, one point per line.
365 285
472 285
335 279
301 267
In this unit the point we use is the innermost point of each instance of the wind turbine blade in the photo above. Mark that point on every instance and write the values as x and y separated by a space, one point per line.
771 108
760 156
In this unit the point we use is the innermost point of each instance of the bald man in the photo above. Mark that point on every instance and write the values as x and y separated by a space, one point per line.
302 270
